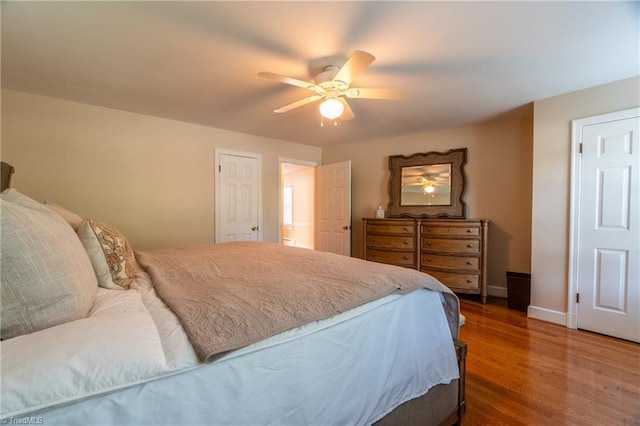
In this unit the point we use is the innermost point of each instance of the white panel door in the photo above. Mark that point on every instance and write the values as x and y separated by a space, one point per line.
609 230
237 206
333 208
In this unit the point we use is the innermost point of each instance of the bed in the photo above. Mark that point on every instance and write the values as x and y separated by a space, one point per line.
284 336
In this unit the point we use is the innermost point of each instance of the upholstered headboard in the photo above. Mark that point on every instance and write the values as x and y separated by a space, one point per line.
6 170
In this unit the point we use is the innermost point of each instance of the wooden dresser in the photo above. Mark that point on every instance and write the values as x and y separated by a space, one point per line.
452 250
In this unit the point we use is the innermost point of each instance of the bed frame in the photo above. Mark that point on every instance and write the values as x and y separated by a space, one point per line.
6 170
442 405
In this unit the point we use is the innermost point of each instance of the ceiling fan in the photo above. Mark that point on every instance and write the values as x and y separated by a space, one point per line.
332 85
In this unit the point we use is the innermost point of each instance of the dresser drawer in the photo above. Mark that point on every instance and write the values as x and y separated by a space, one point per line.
450 231
452 262
392 257
394 242
465 281
451 246
389 227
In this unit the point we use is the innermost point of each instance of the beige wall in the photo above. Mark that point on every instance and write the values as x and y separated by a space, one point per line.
551 187
150 177
499 184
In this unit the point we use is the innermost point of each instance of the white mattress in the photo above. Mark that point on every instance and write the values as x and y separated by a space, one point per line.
130 363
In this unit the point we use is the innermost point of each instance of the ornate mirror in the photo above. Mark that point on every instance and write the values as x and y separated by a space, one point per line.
428 185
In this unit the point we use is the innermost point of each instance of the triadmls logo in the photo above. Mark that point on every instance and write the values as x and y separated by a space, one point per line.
22 421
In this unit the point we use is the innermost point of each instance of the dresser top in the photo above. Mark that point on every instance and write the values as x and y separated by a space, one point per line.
441 220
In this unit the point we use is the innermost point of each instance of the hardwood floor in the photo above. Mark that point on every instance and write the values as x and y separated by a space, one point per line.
527 372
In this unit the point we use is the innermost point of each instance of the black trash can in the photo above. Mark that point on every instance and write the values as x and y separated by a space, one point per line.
518 290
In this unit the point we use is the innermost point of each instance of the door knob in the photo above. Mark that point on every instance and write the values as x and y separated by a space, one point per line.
346 227
254 228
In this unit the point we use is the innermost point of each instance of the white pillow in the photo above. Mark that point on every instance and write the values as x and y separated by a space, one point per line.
110 254
74 220
46 276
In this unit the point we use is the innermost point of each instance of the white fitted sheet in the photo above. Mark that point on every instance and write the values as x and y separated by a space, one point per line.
349 369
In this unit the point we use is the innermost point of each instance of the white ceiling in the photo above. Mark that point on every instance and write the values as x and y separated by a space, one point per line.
463 62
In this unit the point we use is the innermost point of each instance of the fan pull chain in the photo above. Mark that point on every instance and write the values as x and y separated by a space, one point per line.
335 122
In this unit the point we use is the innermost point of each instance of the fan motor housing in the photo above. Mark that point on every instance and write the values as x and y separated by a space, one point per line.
325 79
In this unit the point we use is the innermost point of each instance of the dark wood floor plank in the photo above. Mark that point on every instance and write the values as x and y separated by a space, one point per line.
522 371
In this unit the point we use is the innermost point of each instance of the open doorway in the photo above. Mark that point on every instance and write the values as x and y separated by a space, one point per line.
297 203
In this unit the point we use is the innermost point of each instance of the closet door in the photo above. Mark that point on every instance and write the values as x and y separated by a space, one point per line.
237 198
333 203
609 229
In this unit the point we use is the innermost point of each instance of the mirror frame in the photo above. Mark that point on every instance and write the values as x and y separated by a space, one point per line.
456 210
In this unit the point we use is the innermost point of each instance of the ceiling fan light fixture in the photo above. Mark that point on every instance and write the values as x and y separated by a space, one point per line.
332 85
331 108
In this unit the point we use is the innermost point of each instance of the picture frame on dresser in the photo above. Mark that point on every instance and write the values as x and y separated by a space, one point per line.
428 185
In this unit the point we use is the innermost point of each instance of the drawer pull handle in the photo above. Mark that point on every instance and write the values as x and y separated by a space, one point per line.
406 258
373 255
373 240
428 229
469 245
468 263
406 242
469 281
428 259
406 229
373 227
468 231
428 243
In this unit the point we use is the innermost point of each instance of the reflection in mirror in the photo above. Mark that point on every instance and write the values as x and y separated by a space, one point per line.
426 185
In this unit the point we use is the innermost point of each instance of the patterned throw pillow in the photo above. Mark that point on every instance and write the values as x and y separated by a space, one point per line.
110 254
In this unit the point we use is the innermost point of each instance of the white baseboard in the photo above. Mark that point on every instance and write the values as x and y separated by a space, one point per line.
496 291
548 315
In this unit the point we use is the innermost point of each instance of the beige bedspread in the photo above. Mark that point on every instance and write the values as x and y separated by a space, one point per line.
231 295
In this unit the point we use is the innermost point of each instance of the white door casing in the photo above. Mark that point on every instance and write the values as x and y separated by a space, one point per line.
237 197
605 240
333 208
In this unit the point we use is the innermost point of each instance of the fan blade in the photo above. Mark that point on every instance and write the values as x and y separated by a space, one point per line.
376 93
347 114
288 80
356 63
299 103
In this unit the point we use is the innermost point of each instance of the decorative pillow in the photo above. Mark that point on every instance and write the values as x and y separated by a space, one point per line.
110 254
46 276
70 217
